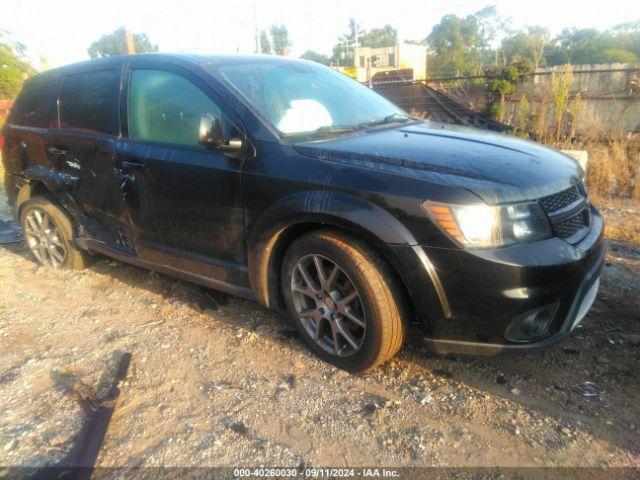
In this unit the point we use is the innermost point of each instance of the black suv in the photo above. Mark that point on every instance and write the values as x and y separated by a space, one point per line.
286 182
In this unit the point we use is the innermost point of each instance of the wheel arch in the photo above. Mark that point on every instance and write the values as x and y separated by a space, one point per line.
30 189
294 216
39 181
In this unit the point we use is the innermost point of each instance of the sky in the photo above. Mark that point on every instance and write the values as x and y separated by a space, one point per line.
62 30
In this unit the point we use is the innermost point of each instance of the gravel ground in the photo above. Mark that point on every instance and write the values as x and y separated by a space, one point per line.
218 381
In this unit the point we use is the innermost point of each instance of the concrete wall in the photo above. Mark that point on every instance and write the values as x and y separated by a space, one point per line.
609 97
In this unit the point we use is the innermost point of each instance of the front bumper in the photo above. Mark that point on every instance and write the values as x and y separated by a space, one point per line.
486 290
580 307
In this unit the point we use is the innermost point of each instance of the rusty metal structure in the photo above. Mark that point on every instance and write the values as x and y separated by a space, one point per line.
418 98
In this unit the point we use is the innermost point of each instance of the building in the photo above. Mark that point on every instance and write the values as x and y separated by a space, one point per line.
403 61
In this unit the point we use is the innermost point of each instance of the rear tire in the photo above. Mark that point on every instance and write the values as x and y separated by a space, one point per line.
352 318
48 232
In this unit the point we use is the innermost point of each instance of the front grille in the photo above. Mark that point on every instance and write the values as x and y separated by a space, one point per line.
557 201
567 222
567 228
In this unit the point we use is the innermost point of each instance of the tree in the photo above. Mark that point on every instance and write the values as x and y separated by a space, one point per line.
584 45
489 24
343 51
461 46
276 41
632 27
528 45
280 39
386 36
502 82
620 43
14 68
627 37
265 44
452 40
316 57
617 55
114 44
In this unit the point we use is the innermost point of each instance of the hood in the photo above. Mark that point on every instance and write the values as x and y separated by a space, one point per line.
498 168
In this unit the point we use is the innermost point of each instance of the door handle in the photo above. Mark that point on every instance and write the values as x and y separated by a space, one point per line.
126 165
125 179
56 151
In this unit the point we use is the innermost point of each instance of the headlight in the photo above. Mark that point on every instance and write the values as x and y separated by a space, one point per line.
486 226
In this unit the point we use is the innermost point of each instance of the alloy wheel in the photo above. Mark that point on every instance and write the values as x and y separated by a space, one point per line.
328 305
44 238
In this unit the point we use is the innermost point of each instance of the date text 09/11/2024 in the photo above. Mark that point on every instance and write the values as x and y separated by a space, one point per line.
317 472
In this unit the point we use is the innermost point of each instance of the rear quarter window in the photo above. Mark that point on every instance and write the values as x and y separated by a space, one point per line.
36 104
89 102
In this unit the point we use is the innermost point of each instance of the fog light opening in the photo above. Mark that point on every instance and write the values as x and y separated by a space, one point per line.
531 325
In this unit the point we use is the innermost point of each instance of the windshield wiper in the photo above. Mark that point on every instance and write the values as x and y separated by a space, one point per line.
394 117
336 129
324 129
333 129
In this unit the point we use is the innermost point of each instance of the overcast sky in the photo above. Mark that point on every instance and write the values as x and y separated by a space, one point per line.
62 30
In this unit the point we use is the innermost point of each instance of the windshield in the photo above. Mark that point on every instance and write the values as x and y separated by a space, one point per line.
304 98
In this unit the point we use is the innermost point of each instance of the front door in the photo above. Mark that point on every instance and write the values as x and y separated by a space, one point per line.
183 198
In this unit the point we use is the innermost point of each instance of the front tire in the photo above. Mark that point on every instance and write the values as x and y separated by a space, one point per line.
48 232
344 300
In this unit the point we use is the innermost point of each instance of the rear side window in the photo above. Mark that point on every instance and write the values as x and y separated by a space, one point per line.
35 106
166 107
89 102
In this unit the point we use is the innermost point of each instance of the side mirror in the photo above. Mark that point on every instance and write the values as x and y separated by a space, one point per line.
211 135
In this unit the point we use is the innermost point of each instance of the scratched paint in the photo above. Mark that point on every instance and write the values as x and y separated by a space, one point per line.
74 164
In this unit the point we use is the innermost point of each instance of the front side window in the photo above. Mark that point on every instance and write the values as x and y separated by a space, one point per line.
166 107
89 102
299 98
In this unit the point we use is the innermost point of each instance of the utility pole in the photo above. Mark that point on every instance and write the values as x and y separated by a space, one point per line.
255 23
129 46
356 45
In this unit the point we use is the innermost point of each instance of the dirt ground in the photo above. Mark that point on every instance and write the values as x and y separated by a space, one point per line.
218 381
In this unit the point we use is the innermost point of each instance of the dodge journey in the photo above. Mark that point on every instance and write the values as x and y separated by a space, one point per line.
289 183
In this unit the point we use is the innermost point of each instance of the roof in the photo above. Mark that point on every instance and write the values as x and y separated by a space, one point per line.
180 58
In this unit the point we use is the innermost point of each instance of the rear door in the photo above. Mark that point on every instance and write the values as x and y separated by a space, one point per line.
28 128
84 149
184 200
